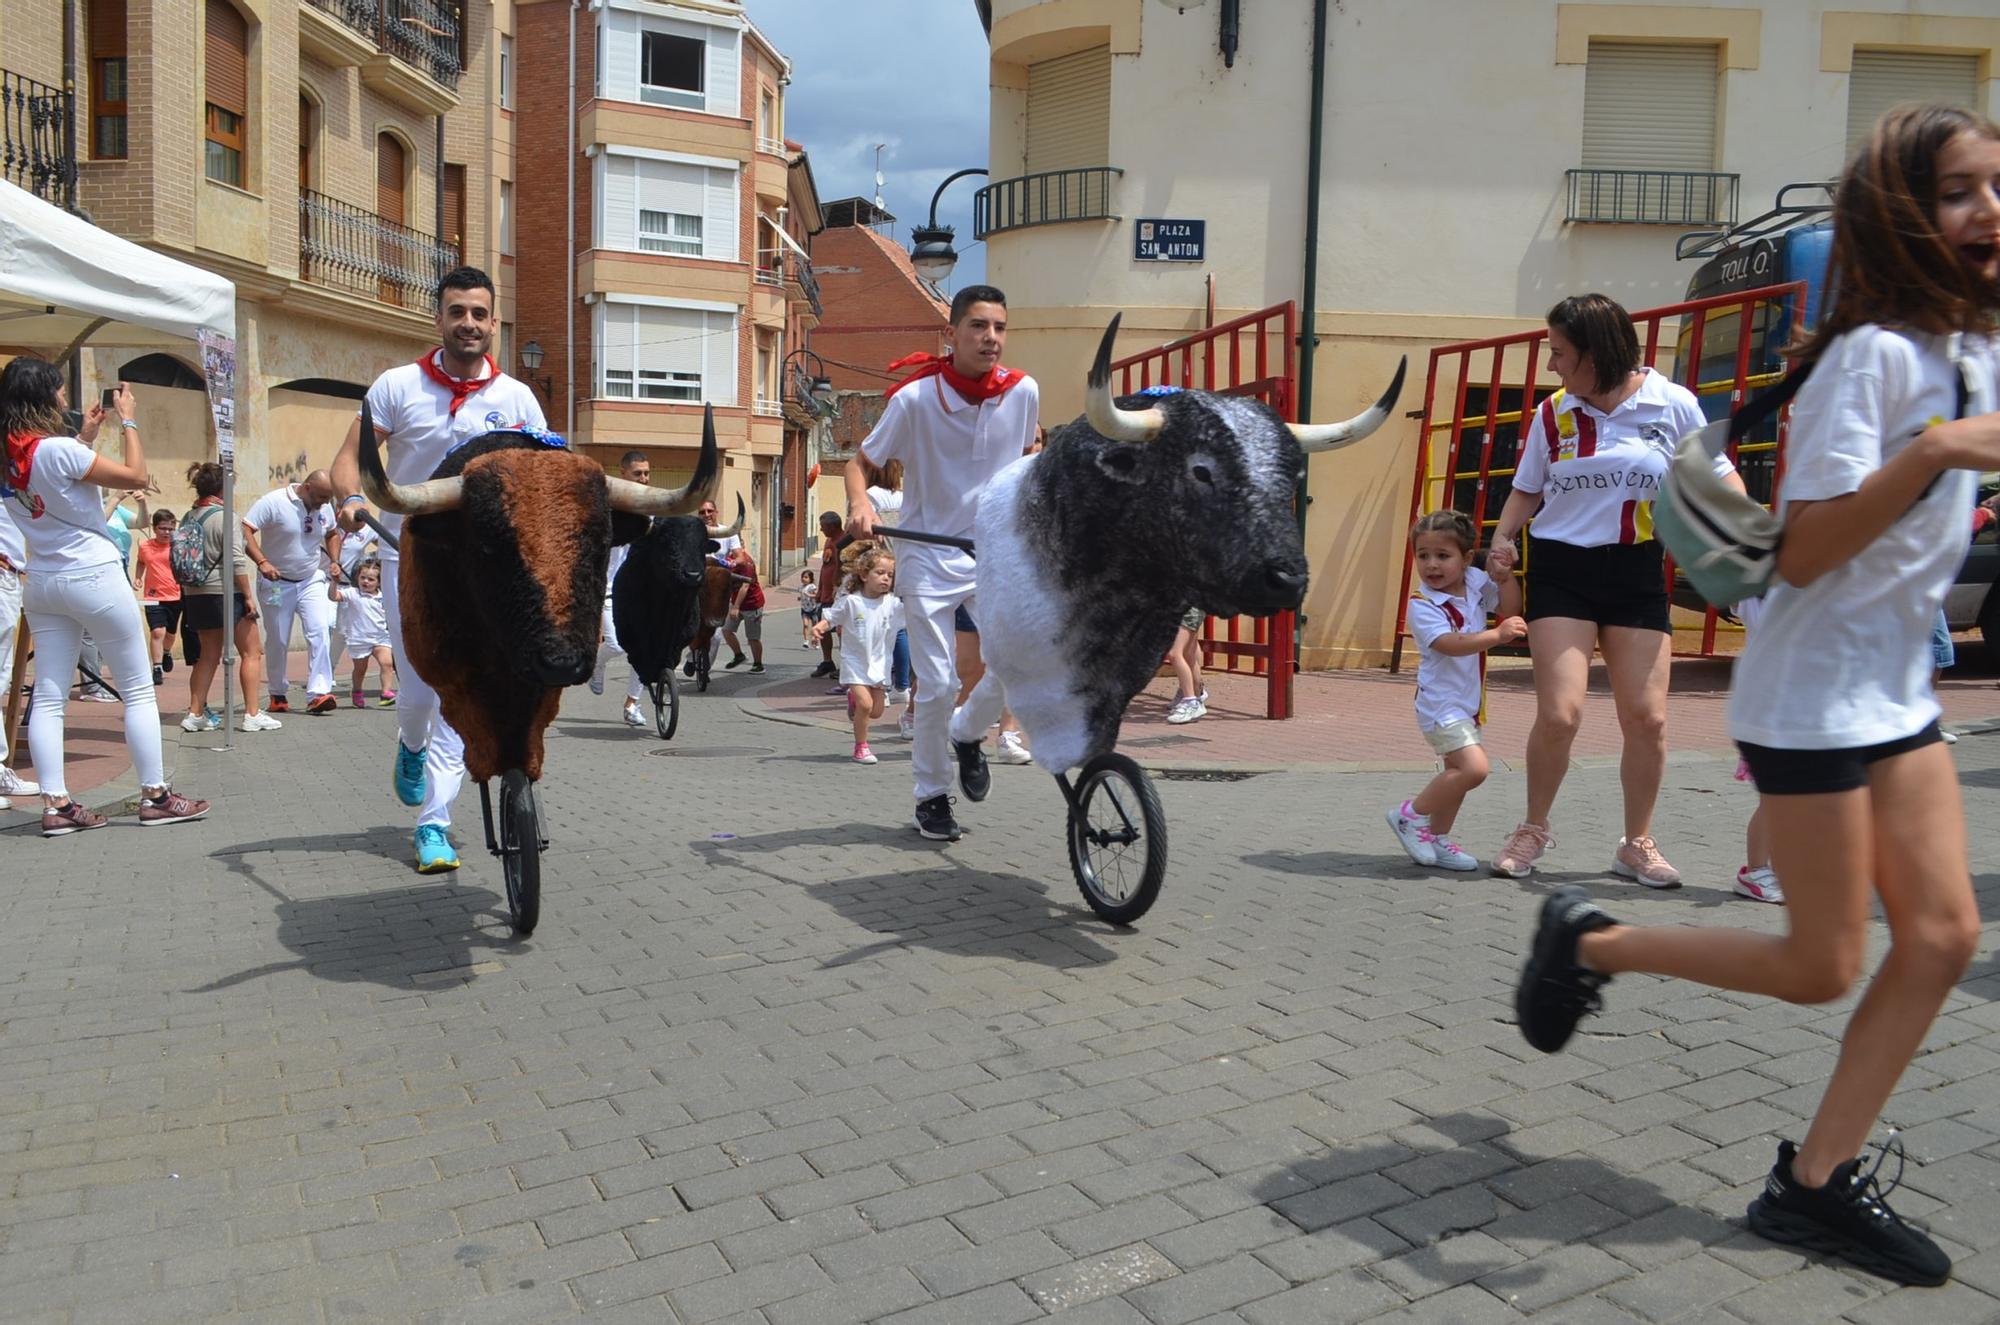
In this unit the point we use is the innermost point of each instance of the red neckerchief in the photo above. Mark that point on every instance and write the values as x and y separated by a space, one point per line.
997 382
460 387
21 448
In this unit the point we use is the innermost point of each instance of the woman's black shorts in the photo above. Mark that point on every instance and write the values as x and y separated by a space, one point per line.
1619 584
203 611
1817 772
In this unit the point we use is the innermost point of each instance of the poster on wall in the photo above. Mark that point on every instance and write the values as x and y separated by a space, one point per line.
218 371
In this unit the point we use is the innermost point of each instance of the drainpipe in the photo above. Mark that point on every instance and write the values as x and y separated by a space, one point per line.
1309 304
442 237
70 171
569 244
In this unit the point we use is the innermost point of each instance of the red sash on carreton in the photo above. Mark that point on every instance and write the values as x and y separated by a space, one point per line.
997 382
1457 618
460 387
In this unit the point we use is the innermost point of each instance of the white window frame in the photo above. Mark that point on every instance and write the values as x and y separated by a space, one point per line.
506 72
681 235
710 247
661 94
715 383
506 226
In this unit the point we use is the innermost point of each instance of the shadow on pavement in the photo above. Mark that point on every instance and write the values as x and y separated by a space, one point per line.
383 936
955 908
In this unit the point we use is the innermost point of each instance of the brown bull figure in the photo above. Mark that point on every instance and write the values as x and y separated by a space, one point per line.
504 558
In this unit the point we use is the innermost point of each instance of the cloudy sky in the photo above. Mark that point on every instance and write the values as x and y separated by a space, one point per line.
910 74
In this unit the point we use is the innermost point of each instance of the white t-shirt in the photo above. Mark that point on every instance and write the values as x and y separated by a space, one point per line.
949 447
723 547
12 545
60 516
364 621
293 538
1448 686
1599 473
1844 661
868 629
413 419
888 504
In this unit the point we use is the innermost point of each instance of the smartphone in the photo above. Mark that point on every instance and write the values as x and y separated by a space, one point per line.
110 397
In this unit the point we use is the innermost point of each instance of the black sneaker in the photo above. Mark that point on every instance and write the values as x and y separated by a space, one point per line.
687 668
1555 992
159 676
824 669
934 819
737 661
166 662
1849 1218
974 778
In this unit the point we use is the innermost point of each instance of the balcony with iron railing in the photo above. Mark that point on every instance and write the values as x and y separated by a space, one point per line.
1600 196
799 273
1046 198
424 34
36 148
349 248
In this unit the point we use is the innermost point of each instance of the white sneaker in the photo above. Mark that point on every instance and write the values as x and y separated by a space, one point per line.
13 784
906 725
258 722
1012 750
1186 709
1759 884
895 697
1450 855
1414 834
632 718
1950 737
597 680
200 722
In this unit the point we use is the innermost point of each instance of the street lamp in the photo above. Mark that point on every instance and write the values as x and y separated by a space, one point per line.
815 390
931 252
531 363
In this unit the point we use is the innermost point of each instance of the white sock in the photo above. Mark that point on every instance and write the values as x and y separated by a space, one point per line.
1409 812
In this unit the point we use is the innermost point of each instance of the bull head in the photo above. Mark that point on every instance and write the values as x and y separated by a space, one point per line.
1143 425
433 496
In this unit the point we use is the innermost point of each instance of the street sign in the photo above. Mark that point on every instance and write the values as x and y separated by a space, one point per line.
1162 239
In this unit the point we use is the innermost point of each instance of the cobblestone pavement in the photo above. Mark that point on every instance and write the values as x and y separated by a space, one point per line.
772 1058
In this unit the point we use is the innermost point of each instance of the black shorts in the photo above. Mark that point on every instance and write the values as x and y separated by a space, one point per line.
164 616
1619 584
203 611
1818 772
962 622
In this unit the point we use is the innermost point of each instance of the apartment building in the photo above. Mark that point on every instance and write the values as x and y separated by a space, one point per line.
1478 162
682 276
331 157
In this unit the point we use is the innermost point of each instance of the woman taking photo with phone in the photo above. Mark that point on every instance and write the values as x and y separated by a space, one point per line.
53 484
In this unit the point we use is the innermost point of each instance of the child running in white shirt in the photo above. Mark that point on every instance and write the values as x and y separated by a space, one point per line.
868 619
364 624
1448 617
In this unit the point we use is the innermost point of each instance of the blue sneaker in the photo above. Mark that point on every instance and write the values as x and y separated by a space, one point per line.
408 774
434 853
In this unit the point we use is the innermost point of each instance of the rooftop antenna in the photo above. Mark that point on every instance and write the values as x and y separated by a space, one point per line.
879 180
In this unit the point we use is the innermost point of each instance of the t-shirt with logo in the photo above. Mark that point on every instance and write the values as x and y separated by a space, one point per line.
1598 474
293 538
950 447
1450 688
1844 661
156 573
61 516
868 629
413 418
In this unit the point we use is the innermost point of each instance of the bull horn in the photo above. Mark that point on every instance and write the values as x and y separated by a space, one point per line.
430 497
639 499
1119 425
729 530
1331 436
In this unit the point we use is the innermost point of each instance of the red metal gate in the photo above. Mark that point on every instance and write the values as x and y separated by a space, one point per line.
1502 377
1218 360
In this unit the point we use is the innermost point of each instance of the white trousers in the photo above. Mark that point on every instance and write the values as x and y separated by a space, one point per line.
60 609
306 601
610 648
934 660
418 722
10 622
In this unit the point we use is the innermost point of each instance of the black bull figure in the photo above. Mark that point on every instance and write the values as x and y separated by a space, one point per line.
656 597
504 553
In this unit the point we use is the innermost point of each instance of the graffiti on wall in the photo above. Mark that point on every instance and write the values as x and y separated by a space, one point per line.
290 471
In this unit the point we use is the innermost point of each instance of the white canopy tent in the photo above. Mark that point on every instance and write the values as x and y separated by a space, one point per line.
65 283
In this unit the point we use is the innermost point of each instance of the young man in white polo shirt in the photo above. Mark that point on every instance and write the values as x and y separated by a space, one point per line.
421 411
958 421
286 535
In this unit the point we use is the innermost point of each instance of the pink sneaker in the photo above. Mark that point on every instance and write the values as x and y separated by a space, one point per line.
1524 847
1759 885
360 700
863 755
1639 859
169 807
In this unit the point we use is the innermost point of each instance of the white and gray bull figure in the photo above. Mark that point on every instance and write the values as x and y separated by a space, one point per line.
1091 551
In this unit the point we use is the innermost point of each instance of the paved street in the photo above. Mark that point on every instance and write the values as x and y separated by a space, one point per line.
772 1058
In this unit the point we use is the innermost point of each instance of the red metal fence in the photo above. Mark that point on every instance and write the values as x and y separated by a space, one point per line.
1264 368
1468 444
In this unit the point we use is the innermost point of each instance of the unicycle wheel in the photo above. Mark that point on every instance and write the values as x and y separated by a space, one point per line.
520 850
1117 838
666 705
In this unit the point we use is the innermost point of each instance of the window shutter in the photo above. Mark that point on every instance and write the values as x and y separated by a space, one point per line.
227 52
670 339
454 209
669 186
1069 111
614 342
1882 79
1649 107
621 71
389 177
718 374
620 222
107 29
723 59
719 221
